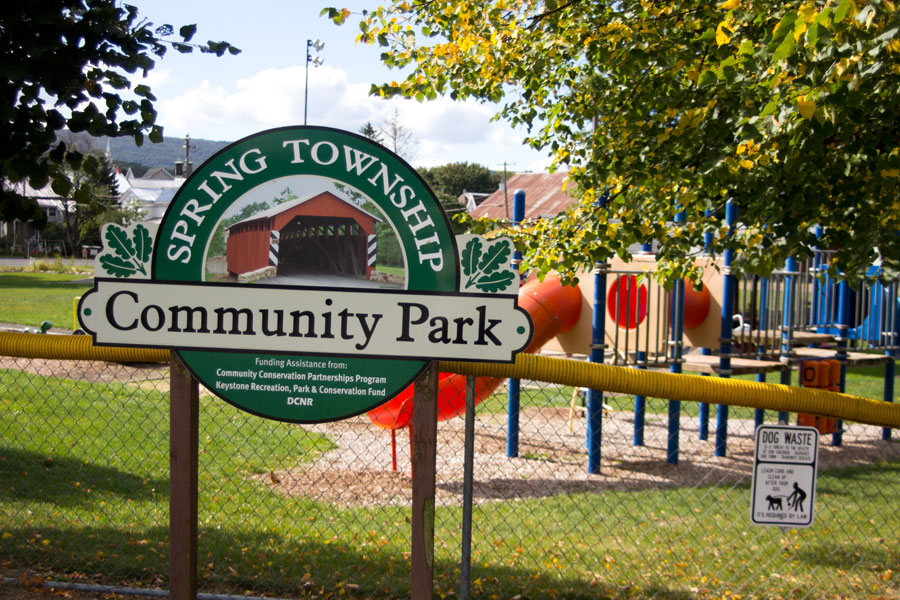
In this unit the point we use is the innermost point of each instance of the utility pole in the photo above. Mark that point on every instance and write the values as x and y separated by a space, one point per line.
505 188
316 45
188 167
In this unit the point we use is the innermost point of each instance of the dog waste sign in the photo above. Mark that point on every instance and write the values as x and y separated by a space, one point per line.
232 279
784 476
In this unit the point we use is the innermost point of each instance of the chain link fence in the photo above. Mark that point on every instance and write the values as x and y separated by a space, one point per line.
318 511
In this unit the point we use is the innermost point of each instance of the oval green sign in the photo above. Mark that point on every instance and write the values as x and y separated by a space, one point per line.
305 208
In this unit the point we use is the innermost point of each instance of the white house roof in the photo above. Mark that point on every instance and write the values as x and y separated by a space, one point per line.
141 194
24 188
166 196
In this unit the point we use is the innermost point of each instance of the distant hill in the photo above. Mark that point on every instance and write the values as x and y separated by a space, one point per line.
164 154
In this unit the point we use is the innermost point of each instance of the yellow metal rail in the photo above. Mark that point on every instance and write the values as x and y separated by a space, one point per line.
714 390
653 384
72 347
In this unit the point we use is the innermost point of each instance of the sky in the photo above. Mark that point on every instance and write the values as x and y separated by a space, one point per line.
232 97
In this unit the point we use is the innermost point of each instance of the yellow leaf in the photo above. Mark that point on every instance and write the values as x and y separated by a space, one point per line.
806 107
722 33
747 164
808 13
730 4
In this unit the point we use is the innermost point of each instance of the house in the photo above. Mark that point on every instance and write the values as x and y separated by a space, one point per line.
544 197
21 236
151 193
471 200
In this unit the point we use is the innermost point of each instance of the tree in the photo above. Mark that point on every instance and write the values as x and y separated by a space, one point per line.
451 180
371 132
80 218
787 107
398 137
68 65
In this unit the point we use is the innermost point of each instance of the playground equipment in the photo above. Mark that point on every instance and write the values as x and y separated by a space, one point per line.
553 308
622 316
823 375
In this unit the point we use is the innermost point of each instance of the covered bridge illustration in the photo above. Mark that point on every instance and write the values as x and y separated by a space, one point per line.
318 233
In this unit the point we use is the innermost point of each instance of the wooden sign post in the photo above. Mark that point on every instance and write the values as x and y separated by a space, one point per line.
424 454
184 401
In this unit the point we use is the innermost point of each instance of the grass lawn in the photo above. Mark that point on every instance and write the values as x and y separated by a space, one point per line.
390 270
83 489
30 298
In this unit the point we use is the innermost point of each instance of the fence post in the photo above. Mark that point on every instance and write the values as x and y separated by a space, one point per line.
513 397
889 329
674 420
729 283
595 397
184 402
424 453
465 565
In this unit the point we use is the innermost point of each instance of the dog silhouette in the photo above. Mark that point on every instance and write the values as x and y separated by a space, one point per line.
774 503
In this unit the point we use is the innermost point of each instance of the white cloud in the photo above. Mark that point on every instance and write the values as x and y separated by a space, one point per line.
446 131
156 78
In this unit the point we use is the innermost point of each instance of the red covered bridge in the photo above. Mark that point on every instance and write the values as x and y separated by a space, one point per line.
319 233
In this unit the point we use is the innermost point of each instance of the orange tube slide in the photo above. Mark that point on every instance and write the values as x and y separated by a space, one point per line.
553 308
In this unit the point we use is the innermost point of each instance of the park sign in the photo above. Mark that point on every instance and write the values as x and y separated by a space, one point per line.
783 488
262 277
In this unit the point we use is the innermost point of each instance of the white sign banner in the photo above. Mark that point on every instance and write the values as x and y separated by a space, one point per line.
784 476
305 320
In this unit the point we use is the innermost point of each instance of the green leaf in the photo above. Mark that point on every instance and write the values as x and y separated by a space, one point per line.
840 13
117 241
143 243
471 256
768 109
495 282
785 48
117 266
496 257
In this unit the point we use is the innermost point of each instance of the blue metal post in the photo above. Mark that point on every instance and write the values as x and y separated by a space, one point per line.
787 324
595 397
815 319
640 404
729 285
703 427
843 325
513 403
704 407
889 373
677 334
889 327
759 415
